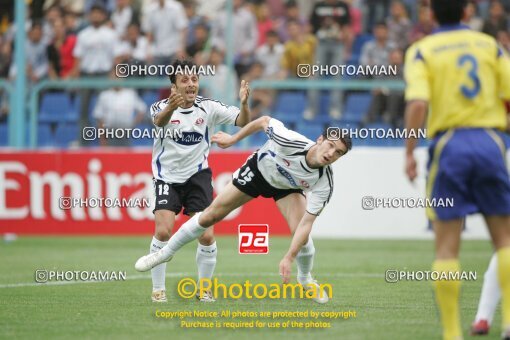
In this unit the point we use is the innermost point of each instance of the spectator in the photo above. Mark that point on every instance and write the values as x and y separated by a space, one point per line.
264 23
330 23
378 10
471 17
122 16
356 17
200 40
94 54
166 25
223 75
261 99
245 35
5 56
388 105
270 55
425 24
60 52
399 25
37 65
291 14
299 49
497 20
52 15
72 23
135 49
377 51
504 40
118 108
194 20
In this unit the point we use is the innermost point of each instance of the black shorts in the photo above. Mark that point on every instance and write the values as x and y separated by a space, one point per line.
250 181
194 195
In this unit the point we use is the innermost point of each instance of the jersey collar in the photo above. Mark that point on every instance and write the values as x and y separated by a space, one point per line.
448 28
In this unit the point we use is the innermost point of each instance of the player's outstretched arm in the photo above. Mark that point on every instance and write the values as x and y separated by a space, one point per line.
298 240
224 140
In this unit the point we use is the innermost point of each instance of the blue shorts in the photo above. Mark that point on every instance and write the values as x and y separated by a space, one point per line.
468 167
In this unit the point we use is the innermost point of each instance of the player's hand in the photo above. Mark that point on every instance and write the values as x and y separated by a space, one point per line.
224 140
411 171
285 269
244 92
175 100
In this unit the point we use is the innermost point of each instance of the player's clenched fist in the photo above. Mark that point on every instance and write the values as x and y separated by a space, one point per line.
175 100
224 140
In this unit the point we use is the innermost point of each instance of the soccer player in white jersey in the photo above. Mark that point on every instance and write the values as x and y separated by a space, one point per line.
282 169
182 178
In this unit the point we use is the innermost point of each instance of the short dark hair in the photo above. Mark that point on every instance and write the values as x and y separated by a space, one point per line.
182 64
344 137
448 12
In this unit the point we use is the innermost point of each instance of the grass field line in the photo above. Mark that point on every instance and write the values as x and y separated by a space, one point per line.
188 274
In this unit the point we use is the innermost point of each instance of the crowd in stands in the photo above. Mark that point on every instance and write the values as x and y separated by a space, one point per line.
69 39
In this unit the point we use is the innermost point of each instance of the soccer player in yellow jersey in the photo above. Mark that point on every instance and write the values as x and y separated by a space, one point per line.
461 78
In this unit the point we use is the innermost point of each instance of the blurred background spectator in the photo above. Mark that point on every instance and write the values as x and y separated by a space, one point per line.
497 20
471 17
165 24
330 23
377 51
245 35
122 16
424 26
270 55
291 14
134 49
60 51
119 108
399 25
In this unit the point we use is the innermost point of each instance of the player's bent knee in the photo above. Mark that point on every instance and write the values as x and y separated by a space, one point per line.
163 231
207 238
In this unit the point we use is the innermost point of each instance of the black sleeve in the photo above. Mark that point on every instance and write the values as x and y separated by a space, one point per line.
54 58
315 20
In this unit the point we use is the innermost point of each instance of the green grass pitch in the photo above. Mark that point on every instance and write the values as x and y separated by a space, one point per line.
122 309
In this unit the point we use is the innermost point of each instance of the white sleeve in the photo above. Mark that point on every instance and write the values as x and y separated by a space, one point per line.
286 141
181 17
140 105
155 109
79 48
321 193
222 113
100 109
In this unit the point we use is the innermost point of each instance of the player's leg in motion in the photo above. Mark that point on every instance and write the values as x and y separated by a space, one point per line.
228 200
293 207
499 227
164 220
447 291
206 259
491 293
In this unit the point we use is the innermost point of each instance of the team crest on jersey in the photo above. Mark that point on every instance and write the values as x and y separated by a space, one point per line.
189 138
199 121
305 184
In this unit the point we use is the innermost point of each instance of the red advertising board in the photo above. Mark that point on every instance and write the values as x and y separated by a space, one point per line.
32 185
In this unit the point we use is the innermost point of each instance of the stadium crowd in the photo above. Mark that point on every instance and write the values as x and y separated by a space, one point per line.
69 39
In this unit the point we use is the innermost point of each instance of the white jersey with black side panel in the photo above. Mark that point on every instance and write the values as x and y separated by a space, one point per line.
281 160
185 149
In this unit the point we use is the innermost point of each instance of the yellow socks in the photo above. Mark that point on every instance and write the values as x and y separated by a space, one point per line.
447 297
504 283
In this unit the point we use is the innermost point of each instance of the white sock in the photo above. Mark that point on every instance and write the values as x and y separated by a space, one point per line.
206 260
158 272
491 292
304 260
188 232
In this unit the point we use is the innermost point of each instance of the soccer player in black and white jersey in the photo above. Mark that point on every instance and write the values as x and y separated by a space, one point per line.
285 166
182 177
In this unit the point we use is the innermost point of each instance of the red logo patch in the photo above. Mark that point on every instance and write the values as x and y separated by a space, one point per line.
199 121
253 239
175 122
305 184
287 163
